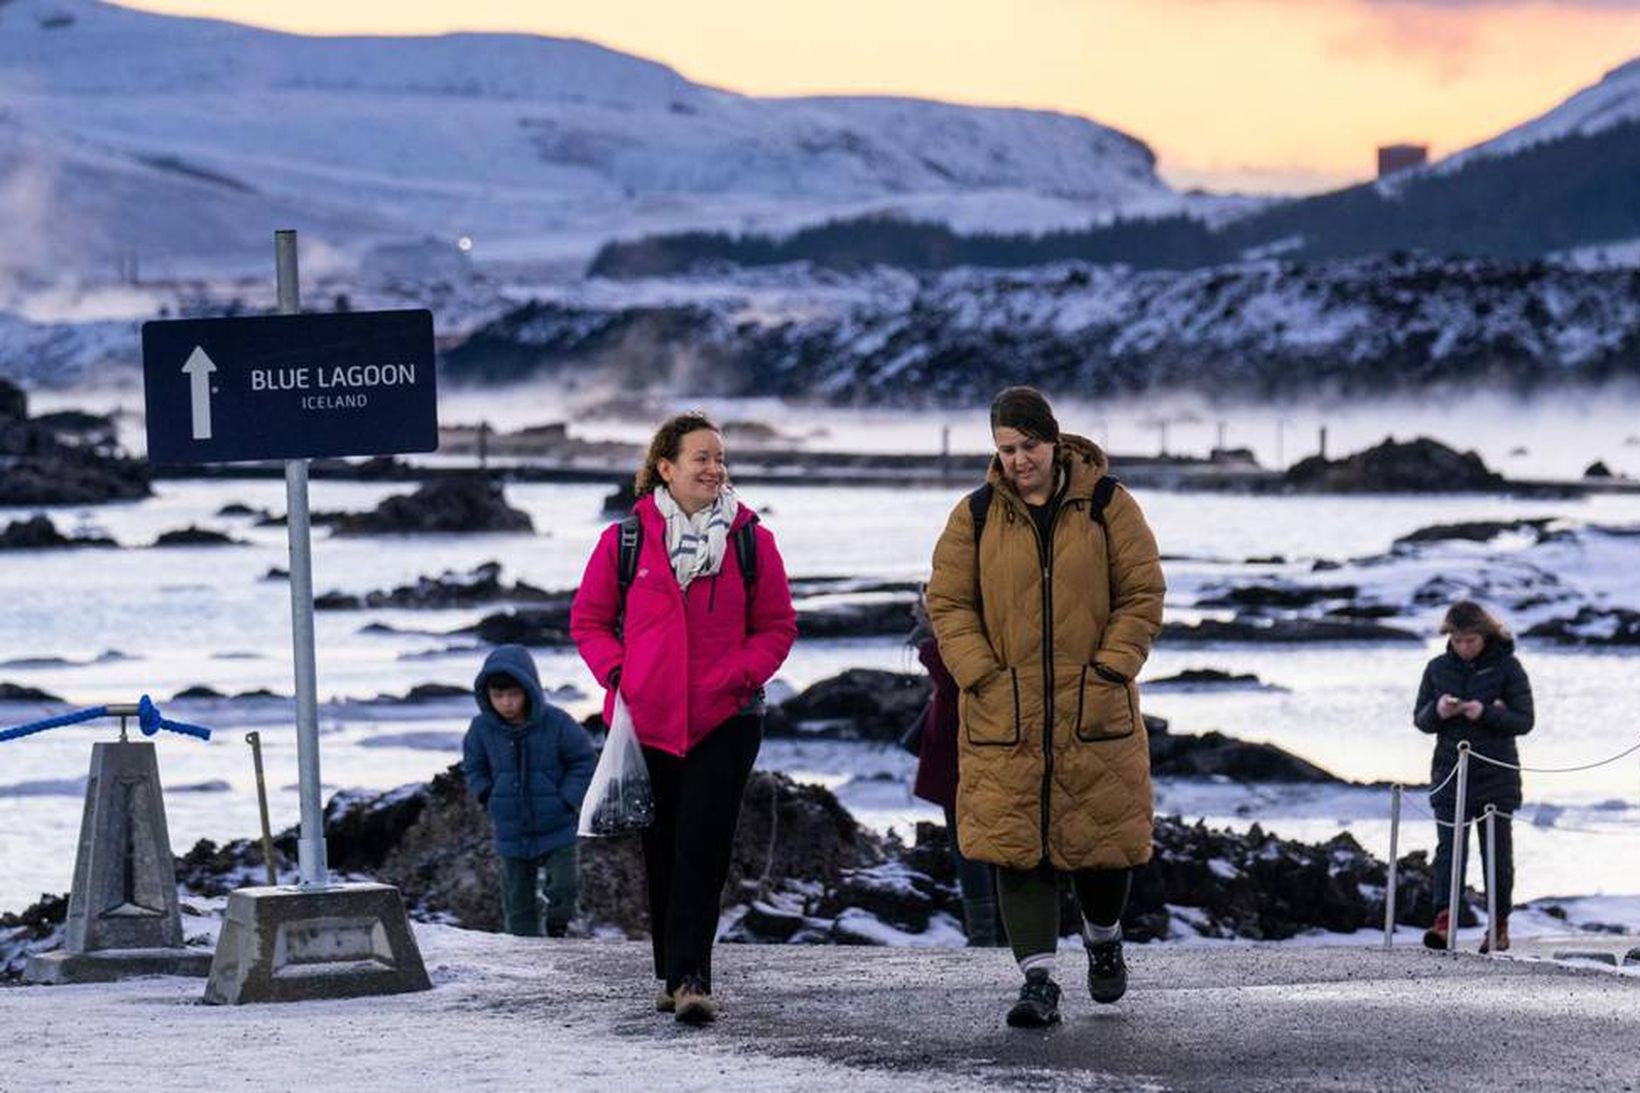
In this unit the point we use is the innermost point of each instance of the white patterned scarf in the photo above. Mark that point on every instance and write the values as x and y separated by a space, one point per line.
696 544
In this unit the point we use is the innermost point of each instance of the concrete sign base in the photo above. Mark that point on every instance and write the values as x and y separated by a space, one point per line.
123 914
110 965
295 944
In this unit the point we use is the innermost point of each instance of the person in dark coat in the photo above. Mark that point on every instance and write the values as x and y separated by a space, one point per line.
1475 691
529 763
936 783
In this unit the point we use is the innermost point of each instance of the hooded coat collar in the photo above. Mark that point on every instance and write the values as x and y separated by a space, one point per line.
514 662
1080 460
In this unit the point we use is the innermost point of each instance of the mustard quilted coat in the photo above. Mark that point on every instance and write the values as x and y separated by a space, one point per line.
1053 757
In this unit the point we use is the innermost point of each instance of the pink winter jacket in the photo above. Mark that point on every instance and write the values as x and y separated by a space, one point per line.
688 662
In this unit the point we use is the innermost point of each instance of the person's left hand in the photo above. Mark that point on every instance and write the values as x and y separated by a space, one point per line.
1472 709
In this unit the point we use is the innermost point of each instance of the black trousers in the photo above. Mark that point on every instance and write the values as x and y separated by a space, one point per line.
686 851
1442 868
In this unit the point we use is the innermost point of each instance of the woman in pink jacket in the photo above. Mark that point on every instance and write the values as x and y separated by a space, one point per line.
706 620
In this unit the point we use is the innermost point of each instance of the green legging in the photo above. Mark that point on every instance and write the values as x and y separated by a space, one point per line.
1029 899
522 889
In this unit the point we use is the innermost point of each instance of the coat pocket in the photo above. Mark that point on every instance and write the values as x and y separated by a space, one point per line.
990 714
1106 710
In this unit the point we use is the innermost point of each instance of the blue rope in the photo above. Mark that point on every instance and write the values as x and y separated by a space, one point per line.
149 720
53 723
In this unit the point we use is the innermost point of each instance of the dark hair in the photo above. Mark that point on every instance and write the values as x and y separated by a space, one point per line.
666 444
1025 409
1469 617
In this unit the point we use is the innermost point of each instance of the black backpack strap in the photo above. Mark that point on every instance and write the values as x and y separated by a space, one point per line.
630 542
1103 491
979 507
746 554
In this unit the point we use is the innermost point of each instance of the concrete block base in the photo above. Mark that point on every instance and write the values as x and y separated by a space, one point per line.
111 965
295 944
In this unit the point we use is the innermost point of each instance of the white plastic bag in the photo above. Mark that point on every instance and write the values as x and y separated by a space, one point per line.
619 800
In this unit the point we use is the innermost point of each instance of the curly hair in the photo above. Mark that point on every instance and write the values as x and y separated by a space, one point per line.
1469 617
666 444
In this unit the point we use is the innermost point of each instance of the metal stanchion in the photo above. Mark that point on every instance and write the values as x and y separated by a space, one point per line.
1492 880
254 739
1394 855
1460 842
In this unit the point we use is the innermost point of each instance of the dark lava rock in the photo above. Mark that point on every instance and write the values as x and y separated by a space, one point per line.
434 842
1417 466
479 585
859 704
1281 631
1206 679
435 692
1279 595
39 533
856 620
196 536
535 626
37 929
1475 531
238 508
16 692
620 502
1591 626
458 504
1598 469
1366 611
41 469
1214 755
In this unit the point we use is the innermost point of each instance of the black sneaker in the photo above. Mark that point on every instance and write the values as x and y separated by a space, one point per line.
1107 972
1038 1005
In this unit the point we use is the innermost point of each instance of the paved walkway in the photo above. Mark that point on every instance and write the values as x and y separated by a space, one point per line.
571 1015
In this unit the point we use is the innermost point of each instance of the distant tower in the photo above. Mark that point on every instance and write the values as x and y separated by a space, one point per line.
1395 158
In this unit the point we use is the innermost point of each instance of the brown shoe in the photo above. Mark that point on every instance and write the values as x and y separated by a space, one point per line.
694 1003
664 1001
1503 937
1435 936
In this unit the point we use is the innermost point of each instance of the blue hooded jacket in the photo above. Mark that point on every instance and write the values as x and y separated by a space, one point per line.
533 776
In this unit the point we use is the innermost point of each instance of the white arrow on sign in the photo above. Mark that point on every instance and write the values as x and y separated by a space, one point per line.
198 370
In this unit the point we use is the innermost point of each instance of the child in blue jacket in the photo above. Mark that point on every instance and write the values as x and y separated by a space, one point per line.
529 763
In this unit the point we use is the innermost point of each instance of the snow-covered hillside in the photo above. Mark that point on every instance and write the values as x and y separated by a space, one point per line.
182 143
1613 101
1371 326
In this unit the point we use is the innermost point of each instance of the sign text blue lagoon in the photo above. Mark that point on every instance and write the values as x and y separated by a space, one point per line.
327 376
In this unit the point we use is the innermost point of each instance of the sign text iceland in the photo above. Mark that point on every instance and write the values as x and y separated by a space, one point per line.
290 386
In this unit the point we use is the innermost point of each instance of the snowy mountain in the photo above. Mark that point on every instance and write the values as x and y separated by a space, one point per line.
182 143
1614 101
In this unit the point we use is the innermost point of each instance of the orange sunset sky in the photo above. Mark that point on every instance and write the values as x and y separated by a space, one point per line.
1231 94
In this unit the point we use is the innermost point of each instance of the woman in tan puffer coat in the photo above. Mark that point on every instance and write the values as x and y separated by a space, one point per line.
1044 626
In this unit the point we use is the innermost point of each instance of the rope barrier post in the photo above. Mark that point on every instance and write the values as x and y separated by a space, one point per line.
254 739
1394 856
1492 880
1460 843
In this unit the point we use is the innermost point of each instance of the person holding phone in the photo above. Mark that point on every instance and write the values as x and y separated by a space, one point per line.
1476 691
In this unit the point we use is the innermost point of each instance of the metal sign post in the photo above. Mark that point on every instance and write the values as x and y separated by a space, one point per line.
298 531
294 387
